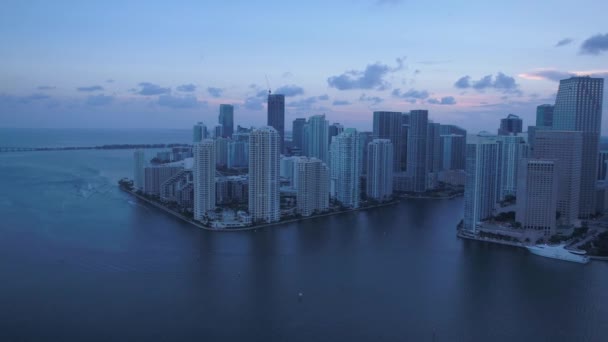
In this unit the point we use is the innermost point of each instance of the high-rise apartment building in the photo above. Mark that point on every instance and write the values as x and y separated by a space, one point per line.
345 159
312 185
578 107
537 195
453 149
204 178
480 179
417 150
379 182
297 133
226 120
564 148
315 138
388 125
276 116
199 132
264 186
333 130
511 148
433 151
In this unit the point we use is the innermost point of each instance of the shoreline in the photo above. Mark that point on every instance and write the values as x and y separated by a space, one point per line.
431 197
463 235
265 225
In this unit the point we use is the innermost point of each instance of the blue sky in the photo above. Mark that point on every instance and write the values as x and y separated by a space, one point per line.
169 64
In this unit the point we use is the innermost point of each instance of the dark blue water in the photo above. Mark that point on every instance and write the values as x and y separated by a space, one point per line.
80 260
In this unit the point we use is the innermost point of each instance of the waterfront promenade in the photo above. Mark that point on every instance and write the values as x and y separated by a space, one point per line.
253 227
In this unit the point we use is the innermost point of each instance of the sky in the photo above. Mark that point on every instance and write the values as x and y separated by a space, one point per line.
169 64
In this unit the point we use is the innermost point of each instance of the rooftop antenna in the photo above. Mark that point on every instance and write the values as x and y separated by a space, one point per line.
267 84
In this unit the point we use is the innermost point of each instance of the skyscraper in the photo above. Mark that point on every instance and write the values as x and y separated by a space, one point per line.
226 120
453 150
312 185
264 154
297 132
564 147
276 116
334 129
433 144
204 178
315 138
537 195
379 185
199 132
364 139
544 115
602 165
221 151
511 149
578 107
138 169
417 150
388 125
345 159
511 125
480 181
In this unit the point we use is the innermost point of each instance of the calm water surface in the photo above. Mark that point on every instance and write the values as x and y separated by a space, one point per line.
80 260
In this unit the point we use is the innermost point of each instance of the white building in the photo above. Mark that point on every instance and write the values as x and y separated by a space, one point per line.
264 186
511 149
480 182
287 169
204 178
345 166
312 185
379 184
537 195
139 161
316 138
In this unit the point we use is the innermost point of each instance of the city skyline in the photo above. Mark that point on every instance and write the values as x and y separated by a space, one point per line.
173 67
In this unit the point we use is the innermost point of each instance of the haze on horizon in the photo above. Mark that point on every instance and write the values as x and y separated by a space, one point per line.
136 64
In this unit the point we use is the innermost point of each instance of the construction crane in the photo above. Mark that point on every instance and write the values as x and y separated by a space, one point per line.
267 84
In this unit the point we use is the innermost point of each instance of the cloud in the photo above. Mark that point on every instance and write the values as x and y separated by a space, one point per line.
323 97
287 74
289 90
215 92
546 74
262 93
254 103
34 97
411 95
595 45
147 89
373 99
340 103
304 104
99 100
564 42
90 88
110 81
446 100
45 87
370 78
500 82
557 75
179 102
187 88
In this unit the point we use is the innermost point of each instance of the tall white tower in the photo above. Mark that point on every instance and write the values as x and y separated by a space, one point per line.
204 178
264 154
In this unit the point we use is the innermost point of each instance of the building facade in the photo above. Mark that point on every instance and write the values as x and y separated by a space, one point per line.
264 185
226 120
388 125
345 159
315 138
578 107
480 179
276 116
203 172
537 195
379 181
417 150
139 162
312 186
511 125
